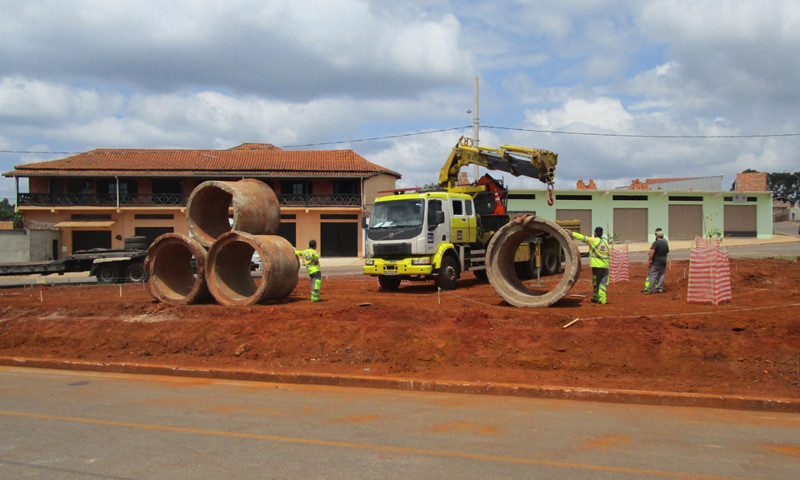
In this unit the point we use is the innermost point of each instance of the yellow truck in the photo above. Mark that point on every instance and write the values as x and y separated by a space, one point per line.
440 233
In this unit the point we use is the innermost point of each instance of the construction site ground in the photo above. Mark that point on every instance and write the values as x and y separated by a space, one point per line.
749 347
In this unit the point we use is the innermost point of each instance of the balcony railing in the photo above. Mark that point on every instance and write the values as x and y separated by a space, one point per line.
167 199
90 199
341 200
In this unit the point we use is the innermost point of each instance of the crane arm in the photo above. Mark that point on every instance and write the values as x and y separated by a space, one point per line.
528 162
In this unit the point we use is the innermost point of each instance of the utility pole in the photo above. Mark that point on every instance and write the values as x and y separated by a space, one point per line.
475 125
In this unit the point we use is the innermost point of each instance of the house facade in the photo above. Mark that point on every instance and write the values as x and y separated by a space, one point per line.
97 198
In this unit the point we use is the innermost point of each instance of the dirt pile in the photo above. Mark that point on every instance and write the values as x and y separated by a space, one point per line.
750 346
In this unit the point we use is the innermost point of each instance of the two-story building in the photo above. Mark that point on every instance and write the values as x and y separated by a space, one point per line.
97 198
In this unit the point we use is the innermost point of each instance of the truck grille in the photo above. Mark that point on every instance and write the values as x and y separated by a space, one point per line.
392 250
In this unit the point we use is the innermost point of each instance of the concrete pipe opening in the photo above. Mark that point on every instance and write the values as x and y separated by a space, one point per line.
229 276
176 266
503 275
254 204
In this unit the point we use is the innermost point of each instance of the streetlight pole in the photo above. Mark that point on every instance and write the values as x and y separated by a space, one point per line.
475 125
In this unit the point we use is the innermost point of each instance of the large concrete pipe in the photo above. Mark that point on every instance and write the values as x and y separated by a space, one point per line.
255 209
500 262
228 269
174 277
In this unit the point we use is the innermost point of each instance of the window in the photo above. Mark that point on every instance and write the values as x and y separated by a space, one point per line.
295 187
345 187
458 207
469 207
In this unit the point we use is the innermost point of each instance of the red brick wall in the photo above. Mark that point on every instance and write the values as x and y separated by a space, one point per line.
751 182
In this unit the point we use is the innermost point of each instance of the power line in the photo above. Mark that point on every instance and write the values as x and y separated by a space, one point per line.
627 135
488 127
371 139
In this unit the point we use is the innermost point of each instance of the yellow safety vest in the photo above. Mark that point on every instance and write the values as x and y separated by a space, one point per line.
598 250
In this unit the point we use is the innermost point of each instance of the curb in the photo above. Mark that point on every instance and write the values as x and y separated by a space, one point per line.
733 402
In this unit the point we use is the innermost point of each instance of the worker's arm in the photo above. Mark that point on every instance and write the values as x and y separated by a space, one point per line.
579 236
650 256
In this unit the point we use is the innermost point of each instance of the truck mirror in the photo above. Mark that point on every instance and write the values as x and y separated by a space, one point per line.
436 219
364 222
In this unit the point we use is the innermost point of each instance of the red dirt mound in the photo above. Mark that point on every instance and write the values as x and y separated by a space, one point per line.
750 346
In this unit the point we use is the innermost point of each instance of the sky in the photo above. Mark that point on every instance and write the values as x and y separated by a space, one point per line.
620 89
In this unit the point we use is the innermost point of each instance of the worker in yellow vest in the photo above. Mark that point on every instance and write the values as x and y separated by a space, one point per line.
310 258
598 259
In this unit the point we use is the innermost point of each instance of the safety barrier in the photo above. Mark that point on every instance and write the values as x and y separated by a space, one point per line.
707 242
709 276
619 265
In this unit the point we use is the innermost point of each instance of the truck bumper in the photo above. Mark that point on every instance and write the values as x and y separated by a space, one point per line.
400 267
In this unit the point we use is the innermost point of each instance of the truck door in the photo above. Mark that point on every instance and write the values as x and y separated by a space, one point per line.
460 230
437 234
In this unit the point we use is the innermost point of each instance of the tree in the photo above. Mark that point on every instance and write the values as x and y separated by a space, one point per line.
7 211
785 184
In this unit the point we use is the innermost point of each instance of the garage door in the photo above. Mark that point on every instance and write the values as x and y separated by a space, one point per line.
584 215
740 220
685 222
630 224
339 239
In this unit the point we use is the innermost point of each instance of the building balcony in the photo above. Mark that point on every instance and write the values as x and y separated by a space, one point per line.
169 199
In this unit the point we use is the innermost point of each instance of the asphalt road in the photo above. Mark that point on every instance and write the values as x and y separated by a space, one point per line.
70 425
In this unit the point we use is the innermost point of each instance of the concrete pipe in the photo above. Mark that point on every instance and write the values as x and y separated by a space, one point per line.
500 262
174 276
228 273
255 209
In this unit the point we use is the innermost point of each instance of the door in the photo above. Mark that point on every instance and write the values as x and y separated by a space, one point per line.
339 239
462 222
630 224
289 232
151 233
740 220
89 239
685 222
584 215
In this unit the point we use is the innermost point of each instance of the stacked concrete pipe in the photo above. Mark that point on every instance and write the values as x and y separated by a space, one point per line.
172 277
228 269
226 265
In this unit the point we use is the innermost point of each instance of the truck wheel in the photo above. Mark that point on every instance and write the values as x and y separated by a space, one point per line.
448 274
135 273
389 283
551 262
107 273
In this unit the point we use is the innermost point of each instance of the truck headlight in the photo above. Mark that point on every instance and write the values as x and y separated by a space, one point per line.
421 261
369 261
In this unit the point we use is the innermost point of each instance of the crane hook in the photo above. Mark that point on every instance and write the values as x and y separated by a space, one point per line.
550 200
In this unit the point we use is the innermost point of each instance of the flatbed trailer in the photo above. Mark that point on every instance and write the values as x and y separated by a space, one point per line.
108 266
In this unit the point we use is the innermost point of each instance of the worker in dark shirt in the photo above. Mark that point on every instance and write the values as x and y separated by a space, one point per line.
657 263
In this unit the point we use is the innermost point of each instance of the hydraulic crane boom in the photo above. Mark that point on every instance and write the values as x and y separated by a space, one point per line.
528 162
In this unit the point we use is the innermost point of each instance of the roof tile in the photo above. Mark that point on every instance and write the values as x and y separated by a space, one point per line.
246 159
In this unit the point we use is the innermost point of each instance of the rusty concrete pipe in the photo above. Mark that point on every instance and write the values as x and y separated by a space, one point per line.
228 269
500 262
255 209
174 278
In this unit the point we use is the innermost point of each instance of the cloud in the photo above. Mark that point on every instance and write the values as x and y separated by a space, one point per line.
291 50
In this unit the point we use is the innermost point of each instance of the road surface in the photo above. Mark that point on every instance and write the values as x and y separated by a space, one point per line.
71 425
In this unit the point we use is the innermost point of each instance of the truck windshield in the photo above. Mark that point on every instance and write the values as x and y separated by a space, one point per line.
397 213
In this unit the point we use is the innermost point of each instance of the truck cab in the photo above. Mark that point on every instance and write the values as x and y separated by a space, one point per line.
419 235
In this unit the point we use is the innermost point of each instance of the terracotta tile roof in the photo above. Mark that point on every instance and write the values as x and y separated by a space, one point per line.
247 159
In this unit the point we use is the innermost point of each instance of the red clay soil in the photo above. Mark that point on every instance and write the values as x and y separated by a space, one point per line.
750 346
